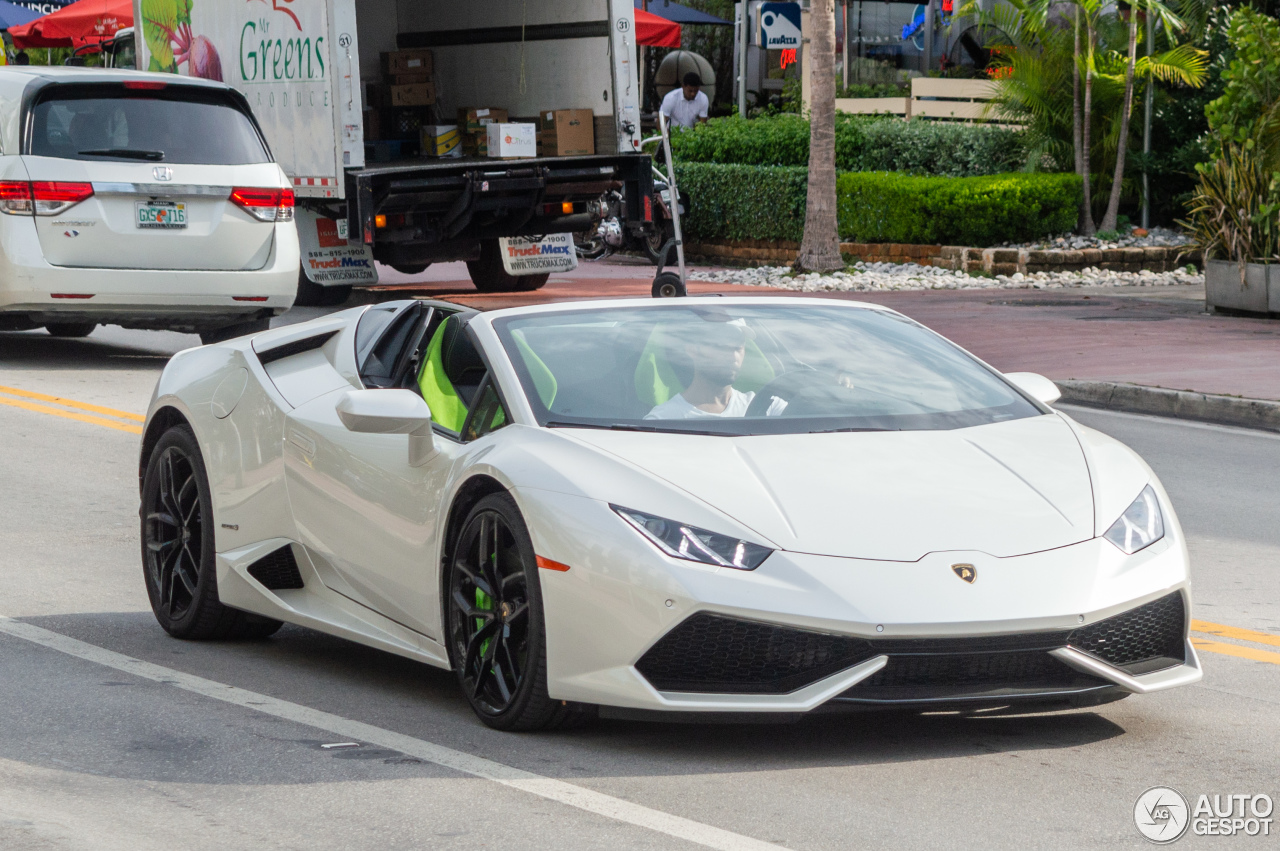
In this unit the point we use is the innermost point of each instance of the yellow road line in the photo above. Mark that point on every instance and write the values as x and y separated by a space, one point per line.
1236 650
71 403
71 415
1236 633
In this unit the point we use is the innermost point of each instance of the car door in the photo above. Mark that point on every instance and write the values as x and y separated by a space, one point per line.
370 517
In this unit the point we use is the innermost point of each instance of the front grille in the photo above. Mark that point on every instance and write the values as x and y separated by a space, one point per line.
720 655
277 571
1140 640
935 676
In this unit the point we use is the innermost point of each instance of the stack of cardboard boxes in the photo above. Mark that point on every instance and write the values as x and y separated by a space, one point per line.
398 105
473 125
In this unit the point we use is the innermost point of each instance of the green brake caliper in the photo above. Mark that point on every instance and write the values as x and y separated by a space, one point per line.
485 603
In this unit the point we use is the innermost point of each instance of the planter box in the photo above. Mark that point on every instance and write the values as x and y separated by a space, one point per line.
1222 287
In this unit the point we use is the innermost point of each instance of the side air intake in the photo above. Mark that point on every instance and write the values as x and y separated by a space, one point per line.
277 571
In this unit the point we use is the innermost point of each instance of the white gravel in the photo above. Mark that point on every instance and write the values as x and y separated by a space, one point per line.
869 277
1156 238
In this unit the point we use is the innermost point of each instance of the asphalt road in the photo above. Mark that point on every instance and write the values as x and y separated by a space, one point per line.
114 736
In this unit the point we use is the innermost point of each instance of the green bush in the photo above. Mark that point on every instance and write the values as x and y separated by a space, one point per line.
974 211
1252 92
863 143
937 148
743 201
768 202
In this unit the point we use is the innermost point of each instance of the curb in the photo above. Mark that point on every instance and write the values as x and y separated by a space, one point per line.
1177 404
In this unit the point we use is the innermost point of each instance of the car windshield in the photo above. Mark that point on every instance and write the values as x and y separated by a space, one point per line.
747 369
174 124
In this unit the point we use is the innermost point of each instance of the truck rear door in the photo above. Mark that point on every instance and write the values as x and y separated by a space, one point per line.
295 63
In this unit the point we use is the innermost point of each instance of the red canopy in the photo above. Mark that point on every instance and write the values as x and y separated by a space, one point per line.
85 22
651 30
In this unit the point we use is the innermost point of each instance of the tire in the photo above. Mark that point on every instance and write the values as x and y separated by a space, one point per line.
311 294
178 558
489 275
230 332
663 232
70 329
497 639
411 268
668 285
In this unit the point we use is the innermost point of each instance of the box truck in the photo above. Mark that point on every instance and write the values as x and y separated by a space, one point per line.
345 89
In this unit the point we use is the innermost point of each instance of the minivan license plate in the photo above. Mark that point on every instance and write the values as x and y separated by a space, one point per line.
162 215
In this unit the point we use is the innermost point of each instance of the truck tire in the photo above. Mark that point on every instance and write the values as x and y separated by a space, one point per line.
70 329
209 336
664 230
311 294
489 276
410 268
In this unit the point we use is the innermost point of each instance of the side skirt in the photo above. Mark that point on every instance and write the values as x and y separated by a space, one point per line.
317 606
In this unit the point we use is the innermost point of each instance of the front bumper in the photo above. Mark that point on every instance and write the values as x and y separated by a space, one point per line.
912 633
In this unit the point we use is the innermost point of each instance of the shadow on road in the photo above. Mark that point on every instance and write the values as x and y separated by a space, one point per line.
378 688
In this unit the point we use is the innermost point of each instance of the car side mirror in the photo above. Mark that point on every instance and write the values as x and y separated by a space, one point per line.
390 412
1036 386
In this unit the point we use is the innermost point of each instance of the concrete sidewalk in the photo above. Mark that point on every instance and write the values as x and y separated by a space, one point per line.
1105 338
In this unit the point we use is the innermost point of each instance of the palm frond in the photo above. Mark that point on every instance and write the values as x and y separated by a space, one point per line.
1184 64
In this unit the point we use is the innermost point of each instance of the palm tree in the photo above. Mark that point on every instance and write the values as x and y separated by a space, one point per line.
820 249
1040 55
1170 22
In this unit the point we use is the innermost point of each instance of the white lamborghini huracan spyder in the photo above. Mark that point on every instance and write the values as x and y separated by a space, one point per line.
709 505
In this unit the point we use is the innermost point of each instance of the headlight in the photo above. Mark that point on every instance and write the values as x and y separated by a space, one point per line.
679 540
1140 526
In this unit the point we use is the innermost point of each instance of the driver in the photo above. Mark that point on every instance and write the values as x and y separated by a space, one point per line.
717 350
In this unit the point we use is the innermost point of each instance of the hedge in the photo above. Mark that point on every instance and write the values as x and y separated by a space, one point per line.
753 202
744 201
975 211
863 143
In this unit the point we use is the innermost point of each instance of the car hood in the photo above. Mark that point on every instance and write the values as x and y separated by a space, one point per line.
1005 489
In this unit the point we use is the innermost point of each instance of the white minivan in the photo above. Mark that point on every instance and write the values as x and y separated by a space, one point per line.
141 200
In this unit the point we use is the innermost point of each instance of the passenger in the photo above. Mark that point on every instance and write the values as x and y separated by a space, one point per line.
717 350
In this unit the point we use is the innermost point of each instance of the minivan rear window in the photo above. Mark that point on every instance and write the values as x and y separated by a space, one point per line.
175 124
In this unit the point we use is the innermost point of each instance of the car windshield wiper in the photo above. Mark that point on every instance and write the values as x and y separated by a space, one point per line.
629 427
125 153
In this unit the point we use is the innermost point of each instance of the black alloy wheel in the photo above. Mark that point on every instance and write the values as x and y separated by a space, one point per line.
178 555
496 633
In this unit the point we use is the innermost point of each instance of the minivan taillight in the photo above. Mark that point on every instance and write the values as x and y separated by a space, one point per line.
15 197
53 197
267 205
43 197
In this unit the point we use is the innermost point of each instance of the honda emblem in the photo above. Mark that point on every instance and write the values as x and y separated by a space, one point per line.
162 172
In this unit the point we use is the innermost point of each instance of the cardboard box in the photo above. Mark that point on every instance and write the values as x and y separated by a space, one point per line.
409 79
418 94
408 62
566 133
509 141
441 140
476 119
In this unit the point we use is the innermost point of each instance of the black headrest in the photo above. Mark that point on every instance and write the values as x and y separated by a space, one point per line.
461 361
